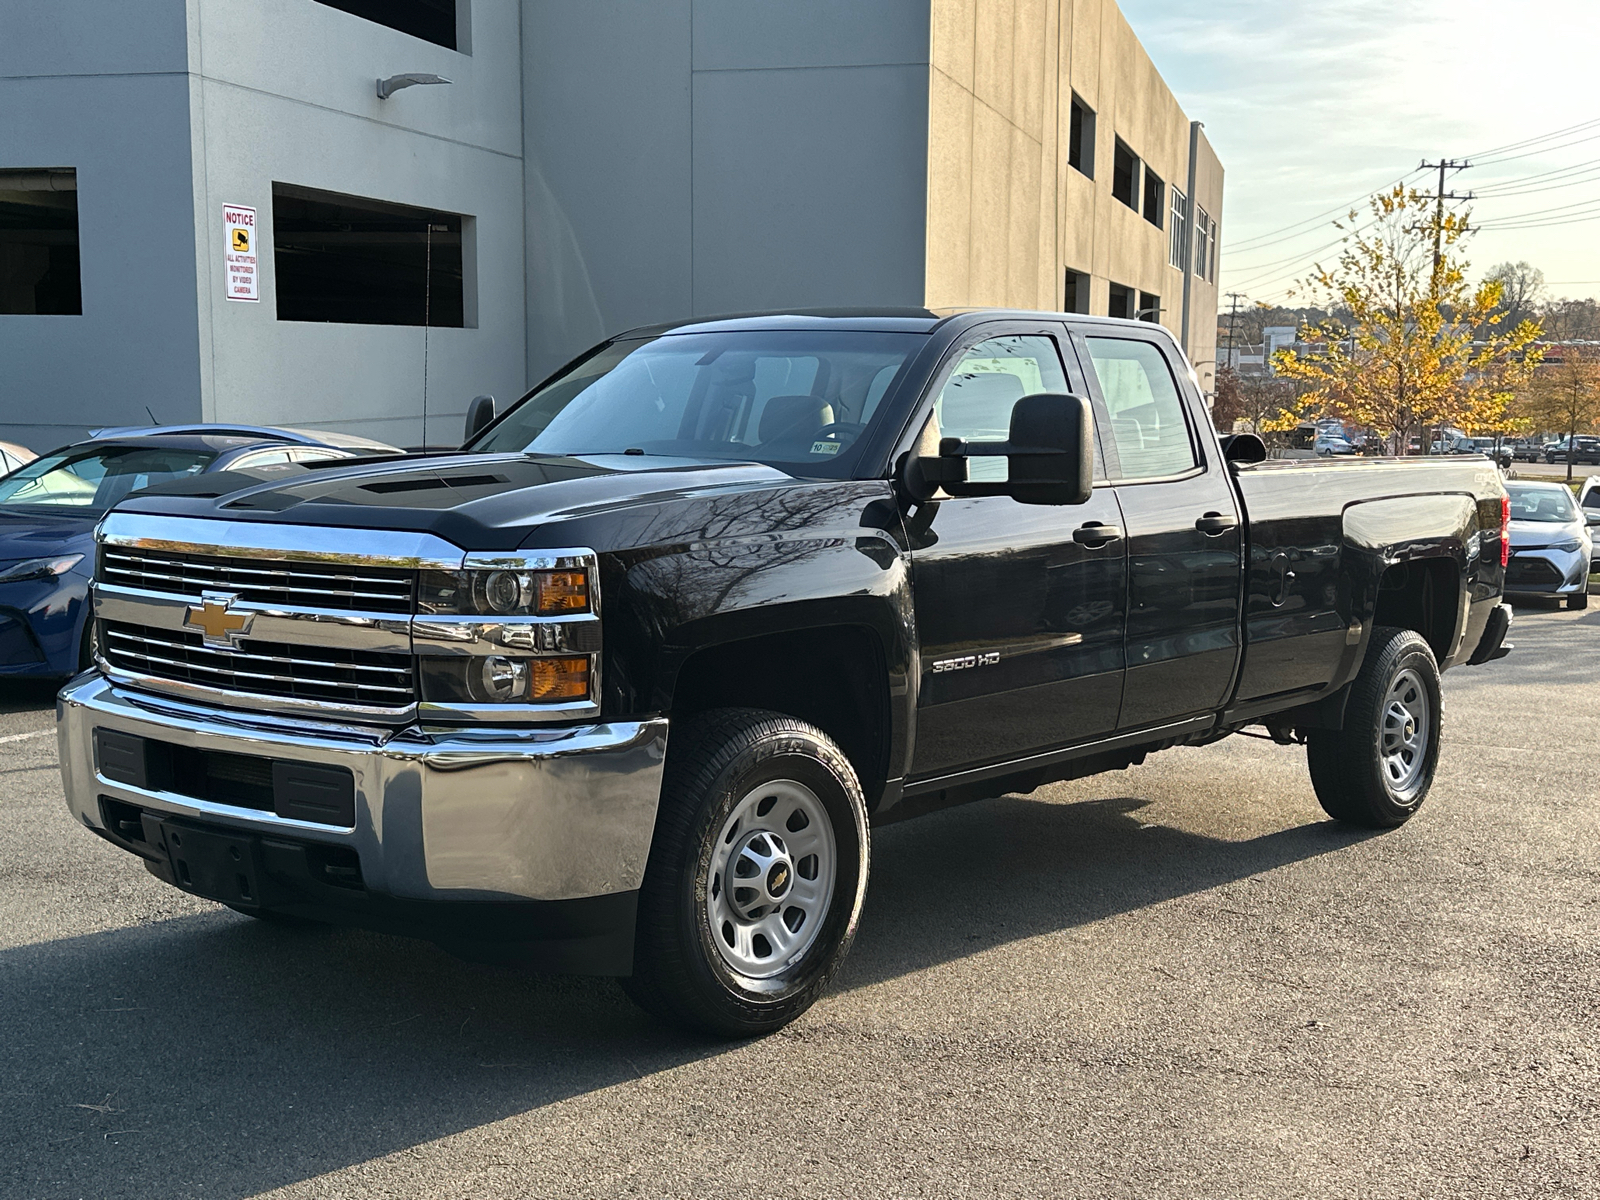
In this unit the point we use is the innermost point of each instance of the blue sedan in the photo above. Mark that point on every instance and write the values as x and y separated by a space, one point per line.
48 511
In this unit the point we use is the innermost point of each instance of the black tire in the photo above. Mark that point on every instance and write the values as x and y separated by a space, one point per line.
717 764
1578 601
88 644
1349 769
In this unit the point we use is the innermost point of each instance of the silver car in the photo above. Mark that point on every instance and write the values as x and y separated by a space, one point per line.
1550 545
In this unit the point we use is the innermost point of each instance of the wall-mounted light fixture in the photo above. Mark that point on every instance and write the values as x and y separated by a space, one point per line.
388 87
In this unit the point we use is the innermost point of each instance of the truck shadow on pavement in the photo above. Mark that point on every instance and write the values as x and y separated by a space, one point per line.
212 1055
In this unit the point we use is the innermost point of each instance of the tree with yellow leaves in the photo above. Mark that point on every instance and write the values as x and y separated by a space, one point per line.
1565 395
1423 348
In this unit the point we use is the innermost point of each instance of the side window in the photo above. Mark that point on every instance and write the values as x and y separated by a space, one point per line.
1147 421
991 377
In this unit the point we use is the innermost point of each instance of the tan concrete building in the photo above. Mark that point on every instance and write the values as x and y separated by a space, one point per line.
594 166
1059 168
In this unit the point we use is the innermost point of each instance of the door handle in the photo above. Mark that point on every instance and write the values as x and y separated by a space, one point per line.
1094 535
1214 523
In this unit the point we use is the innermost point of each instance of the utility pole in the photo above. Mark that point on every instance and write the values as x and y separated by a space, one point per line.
1233 321
1439 197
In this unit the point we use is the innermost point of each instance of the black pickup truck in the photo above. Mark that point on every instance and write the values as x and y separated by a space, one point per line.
622 687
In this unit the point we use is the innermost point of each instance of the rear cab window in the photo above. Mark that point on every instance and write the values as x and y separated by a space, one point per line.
1148 425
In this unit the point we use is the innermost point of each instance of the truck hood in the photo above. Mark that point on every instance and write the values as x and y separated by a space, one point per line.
477 501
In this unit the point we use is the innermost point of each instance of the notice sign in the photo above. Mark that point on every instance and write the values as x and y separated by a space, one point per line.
239 252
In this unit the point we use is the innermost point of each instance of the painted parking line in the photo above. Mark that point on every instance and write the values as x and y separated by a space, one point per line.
22 737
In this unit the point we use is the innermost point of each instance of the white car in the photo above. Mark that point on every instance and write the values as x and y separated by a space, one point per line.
1589 502
1551 551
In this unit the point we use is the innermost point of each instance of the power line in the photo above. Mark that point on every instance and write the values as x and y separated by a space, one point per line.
1439 197
1256 243
1543 137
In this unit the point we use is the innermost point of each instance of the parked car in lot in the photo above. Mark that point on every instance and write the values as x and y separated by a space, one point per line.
1551 550
622 687
1583 450
1525 450
1331 443
1589 505
13 456
48 510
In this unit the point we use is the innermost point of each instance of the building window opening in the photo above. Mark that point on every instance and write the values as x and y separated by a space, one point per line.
365 262
1178 243
431 20
1080 139
1155 199
1121 304
39 243
1125 176
1149 308
1077 293
1205 246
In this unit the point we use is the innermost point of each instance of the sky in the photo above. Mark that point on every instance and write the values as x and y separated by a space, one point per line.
1312 106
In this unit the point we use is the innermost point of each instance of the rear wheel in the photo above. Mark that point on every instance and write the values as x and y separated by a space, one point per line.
1578 601
756 875
1377 770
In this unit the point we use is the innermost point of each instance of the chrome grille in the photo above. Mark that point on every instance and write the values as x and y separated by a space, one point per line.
306 584
320 674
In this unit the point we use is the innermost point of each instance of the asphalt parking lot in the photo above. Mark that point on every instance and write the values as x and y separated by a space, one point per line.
1177 980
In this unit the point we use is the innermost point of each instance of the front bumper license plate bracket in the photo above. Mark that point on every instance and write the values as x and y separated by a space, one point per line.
208 862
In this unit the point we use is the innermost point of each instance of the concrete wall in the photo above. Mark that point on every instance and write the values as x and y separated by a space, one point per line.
102 88
170 109
689 159
1007 215
284 92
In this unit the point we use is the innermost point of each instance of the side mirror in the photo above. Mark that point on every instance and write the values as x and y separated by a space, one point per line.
479 415
1050 452
1243 448
1592 516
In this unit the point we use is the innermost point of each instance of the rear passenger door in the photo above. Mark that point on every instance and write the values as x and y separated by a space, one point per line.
1183 528
1019 606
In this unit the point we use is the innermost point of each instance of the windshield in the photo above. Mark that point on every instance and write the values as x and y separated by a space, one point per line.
799 401
1552 505
95 479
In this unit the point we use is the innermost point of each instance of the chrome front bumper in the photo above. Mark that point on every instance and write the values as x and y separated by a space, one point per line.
443 815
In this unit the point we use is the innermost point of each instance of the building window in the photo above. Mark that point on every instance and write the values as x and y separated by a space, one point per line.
1080 141
431 20
1178 243
1121 304
364 262
1205 246
1077 293
1125 176
1155 199
1149 308
39 243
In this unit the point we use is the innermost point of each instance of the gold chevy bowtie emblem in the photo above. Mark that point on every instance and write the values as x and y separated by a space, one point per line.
218 624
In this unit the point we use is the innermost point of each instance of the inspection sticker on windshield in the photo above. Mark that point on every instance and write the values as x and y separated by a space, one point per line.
824 447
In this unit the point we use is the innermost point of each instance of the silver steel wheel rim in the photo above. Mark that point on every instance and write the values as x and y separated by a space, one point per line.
1404 732
772 876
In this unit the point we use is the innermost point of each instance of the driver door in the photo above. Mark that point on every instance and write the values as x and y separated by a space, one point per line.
1020 607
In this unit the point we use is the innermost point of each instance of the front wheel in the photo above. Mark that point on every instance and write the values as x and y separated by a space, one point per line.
1578 600
1377 770
756 875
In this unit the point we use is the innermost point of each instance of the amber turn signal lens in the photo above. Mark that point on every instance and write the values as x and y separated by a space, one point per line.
559 679
560 592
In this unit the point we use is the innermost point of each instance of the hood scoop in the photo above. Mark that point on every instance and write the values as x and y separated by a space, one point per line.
432 483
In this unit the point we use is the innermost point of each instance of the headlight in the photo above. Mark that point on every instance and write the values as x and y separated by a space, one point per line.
1571 547
505 592
40 568
502 679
